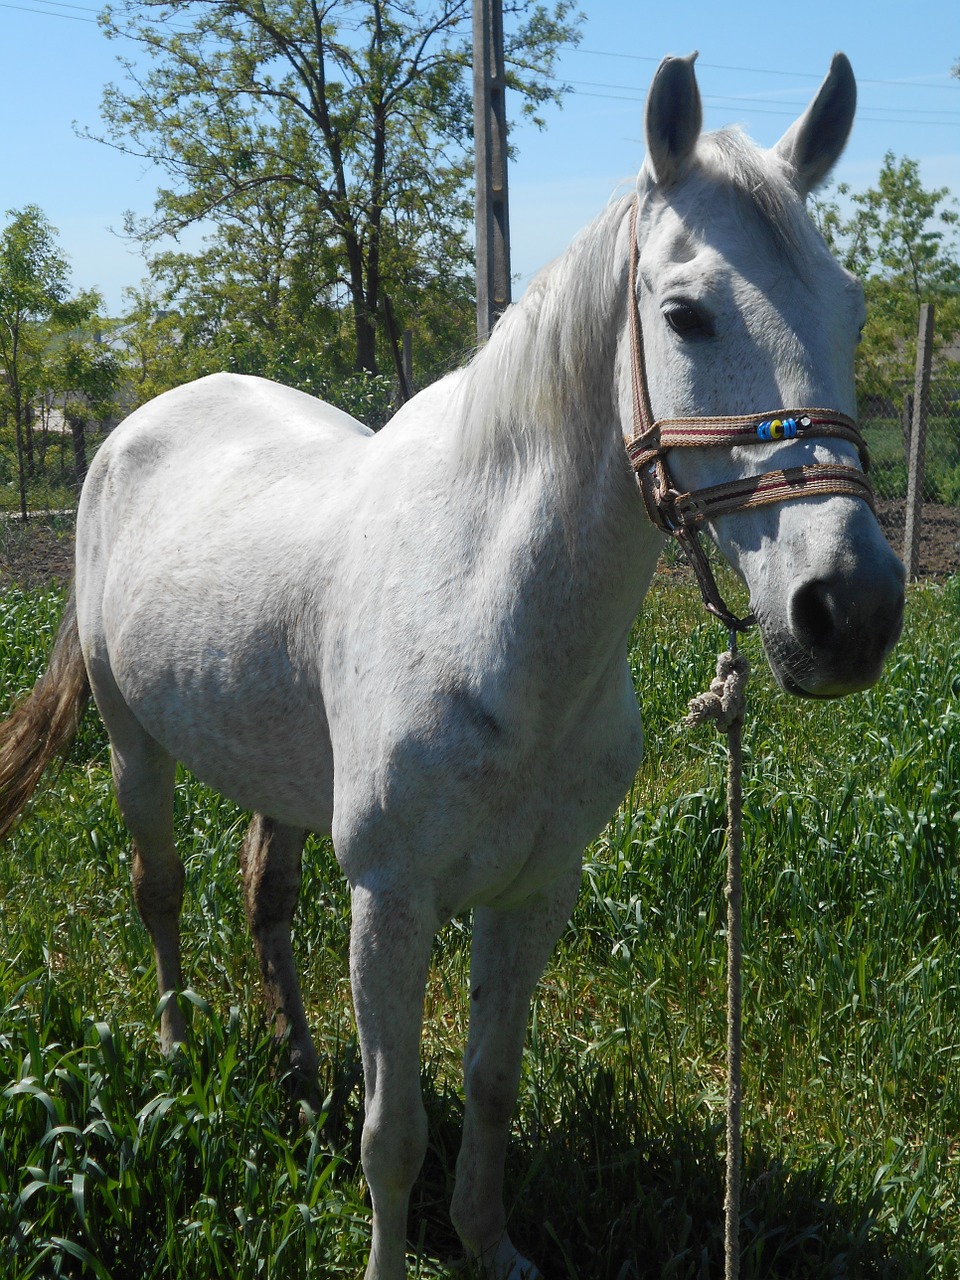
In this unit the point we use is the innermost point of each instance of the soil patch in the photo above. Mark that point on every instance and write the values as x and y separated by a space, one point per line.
939 536
36 554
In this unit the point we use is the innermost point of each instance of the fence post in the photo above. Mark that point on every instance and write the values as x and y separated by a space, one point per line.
906 419
918 441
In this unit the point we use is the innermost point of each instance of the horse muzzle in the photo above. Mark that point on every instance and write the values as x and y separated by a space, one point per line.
838 630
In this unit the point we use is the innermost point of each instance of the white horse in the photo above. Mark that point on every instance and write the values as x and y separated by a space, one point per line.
416 640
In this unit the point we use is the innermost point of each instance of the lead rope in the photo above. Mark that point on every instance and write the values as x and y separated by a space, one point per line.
724 704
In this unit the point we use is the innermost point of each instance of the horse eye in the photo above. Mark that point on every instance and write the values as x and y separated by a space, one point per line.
686 321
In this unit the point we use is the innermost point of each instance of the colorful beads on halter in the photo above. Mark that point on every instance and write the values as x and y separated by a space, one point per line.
781 428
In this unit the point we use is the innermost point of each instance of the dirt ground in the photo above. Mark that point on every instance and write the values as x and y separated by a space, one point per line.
42 552
35 555
939 536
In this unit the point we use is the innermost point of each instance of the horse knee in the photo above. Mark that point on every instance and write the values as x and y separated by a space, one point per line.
392 1150
491 1093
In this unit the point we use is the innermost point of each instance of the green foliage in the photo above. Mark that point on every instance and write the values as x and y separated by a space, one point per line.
901 241
46 351
330 150
190 1171
33 288
33 271
241 330
88 376
114 1162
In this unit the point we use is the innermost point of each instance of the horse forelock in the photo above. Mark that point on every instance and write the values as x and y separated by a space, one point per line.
727 161
762 179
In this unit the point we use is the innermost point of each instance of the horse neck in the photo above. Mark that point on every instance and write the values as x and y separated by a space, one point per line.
541 413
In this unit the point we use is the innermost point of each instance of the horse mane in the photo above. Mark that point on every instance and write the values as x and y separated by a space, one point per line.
539 370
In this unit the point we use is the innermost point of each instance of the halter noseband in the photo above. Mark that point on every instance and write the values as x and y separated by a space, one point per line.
682 514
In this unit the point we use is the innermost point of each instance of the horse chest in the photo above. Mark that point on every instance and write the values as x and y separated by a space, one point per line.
483 806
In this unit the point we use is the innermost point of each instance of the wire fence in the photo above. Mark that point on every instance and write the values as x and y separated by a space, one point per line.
887 420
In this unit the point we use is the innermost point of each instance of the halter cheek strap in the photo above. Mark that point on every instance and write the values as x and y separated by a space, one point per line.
682 514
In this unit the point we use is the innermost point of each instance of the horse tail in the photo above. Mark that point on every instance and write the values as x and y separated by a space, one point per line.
45 722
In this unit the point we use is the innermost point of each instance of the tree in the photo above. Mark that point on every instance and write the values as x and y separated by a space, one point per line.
256 299
45 342
33 289
150 338
197 316
901 240
87 374
358 110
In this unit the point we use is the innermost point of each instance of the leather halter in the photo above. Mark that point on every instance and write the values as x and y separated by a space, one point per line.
683 514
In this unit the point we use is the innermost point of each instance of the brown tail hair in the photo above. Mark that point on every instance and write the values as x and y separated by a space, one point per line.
45 722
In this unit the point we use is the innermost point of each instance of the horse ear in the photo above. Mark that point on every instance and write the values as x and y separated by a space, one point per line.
812 146
673 120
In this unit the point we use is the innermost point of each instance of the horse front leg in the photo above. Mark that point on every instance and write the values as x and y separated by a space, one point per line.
270 859
509 952
390 939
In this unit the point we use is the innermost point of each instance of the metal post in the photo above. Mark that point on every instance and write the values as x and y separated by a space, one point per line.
490 142
918 441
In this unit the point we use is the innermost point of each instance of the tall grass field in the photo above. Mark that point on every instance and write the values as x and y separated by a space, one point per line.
118 1164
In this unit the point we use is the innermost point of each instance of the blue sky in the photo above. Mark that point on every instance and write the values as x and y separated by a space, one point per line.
759 66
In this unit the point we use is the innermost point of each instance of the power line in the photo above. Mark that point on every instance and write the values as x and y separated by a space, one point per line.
638 95
777 73
863 113
628 93
47 13
62 4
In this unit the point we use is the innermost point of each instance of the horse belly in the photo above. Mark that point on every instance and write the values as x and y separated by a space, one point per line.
294 786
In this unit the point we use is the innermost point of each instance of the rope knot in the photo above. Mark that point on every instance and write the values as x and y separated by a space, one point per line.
724 701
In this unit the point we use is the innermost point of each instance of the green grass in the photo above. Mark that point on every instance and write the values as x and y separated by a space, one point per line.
115 1163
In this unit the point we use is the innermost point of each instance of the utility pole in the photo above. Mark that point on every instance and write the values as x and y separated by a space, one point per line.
490 142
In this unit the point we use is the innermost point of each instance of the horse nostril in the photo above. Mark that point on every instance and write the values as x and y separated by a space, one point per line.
816 618
834 623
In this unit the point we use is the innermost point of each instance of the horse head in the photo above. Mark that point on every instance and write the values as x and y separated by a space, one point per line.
744 313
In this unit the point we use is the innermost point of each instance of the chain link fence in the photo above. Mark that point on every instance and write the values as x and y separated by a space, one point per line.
887 418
